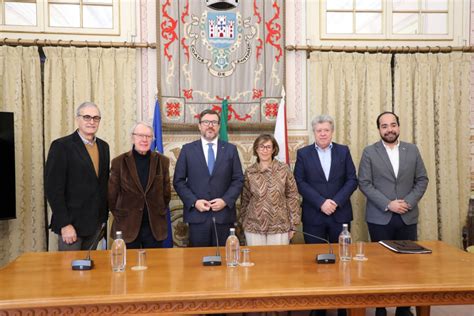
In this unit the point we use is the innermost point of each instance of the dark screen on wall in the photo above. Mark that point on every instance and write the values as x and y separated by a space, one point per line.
7 167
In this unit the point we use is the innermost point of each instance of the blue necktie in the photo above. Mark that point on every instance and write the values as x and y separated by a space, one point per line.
210 158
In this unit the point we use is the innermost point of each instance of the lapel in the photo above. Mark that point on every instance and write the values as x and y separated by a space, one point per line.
154 158
334 160
315 158
130 162
382 152
221 149
83 154
402 158
199 154
102 163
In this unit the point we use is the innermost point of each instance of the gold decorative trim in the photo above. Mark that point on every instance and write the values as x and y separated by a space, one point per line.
355 301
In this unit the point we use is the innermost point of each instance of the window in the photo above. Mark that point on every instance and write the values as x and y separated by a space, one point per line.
388 19
420 17
61 16
354 16
18 13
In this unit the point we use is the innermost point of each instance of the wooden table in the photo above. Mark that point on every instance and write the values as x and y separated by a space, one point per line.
283 278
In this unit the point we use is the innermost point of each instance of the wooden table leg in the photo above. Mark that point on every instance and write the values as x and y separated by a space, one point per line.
423 310
356 312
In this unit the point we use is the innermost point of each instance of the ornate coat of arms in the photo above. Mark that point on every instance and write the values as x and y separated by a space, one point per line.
224 35
208 55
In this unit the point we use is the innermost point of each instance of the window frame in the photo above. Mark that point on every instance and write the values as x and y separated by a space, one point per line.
42 19
387 25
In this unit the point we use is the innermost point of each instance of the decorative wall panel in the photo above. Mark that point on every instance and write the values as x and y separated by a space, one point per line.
172 148
208 55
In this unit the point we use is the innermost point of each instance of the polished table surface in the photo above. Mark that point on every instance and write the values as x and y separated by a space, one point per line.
283 278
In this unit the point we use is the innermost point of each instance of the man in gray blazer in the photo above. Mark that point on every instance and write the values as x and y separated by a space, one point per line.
393 177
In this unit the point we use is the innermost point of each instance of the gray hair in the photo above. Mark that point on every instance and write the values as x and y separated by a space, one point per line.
144 124
323 119
86 105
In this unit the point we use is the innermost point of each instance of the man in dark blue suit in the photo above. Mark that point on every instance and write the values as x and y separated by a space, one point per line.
326 178
208 178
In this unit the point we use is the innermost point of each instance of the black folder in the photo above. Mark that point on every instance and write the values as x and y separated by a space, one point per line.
404 246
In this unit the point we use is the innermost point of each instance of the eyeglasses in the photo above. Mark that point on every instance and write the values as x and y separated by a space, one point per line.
265 147
209 123
143 136
88 118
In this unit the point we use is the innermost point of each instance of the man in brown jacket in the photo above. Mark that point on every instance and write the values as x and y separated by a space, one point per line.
139 192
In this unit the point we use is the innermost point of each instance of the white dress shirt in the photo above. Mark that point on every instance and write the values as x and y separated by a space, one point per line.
325 159
205 147
394 156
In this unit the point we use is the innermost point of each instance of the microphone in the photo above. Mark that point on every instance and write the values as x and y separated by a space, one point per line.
213 260
324 258
88 263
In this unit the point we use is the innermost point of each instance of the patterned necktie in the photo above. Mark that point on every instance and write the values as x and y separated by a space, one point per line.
210 158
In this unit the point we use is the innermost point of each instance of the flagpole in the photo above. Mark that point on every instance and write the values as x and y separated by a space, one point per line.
281 131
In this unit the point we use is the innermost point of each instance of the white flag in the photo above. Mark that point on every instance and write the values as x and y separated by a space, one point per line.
281 133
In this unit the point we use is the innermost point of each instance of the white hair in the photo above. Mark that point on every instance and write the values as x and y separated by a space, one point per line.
144 124
84 105
323 119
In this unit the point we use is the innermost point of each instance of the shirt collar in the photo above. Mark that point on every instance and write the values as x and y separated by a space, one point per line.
388 148
319 148
205 141
86 141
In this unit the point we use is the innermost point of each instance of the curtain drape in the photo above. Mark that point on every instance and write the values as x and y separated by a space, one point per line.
20 93
105 76
431 94
353 88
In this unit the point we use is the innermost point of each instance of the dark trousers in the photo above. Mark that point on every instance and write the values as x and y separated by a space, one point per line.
396 229
203 234
82 243
145 239
322 312
328 229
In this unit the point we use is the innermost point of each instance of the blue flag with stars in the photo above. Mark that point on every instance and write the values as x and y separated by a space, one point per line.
157 145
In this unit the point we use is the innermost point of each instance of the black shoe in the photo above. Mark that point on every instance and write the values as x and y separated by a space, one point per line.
403 311
380 311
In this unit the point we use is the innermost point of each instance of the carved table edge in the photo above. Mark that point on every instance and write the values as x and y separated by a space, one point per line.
252 304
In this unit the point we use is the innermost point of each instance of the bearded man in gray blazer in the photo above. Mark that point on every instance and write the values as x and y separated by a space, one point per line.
393 177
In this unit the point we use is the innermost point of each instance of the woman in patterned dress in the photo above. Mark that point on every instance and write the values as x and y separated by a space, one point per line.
270 201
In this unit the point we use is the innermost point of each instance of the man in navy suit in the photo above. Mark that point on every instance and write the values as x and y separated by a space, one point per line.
326 178
208 179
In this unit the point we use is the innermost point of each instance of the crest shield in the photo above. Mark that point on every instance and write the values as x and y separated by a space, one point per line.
221 29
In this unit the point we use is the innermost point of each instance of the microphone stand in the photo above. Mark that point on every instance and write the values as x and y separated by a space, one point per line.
324 258
213 260
88 263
